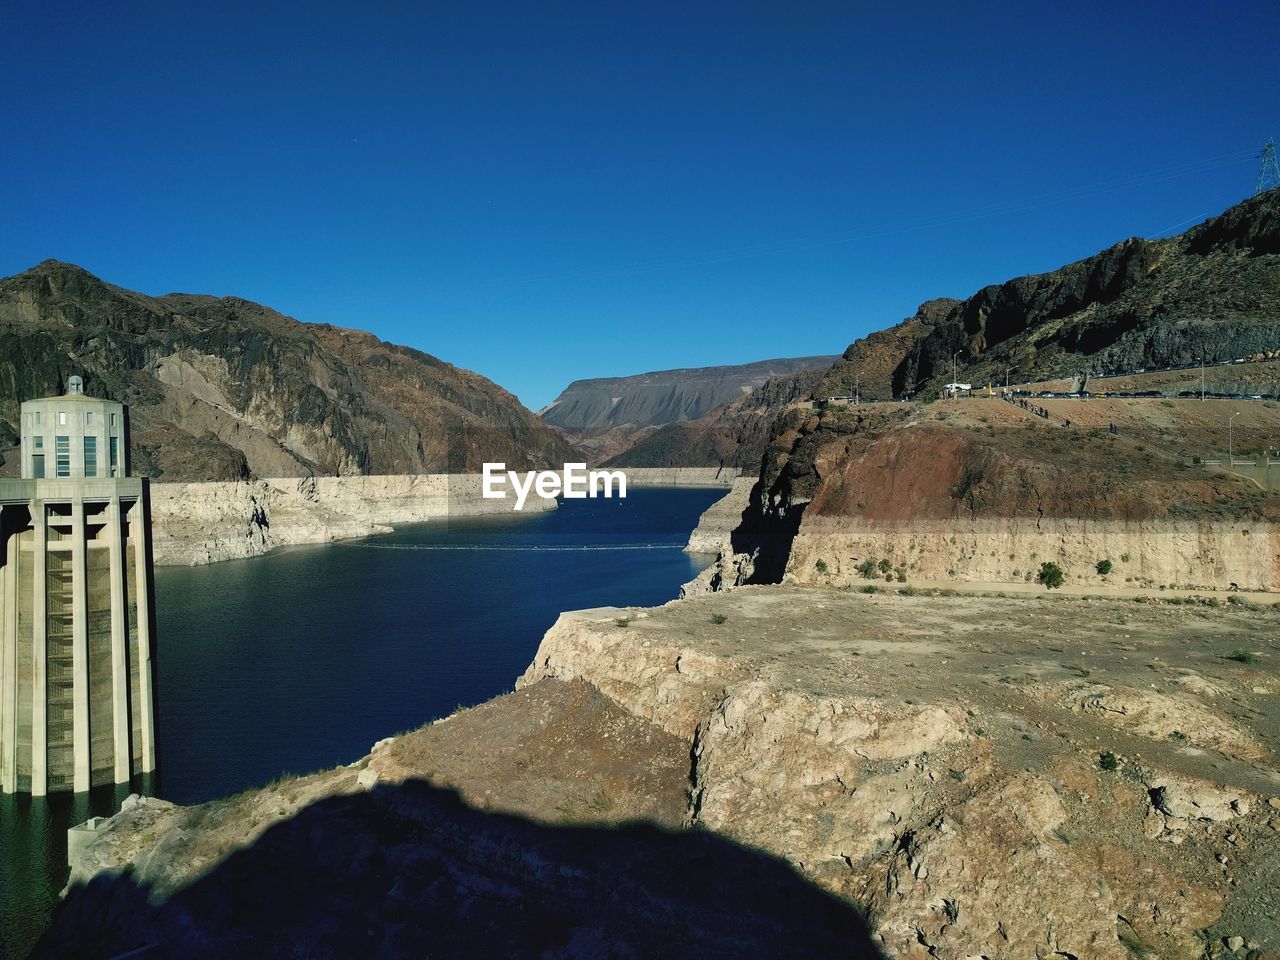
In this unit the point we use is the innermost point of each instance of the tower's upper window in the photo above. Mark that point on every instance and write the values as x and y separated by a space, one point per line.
88 418
62 418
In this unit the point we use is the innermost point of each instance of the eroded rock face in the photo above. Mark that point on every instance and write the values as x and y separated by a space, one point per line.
195 523
868 741
977 776
717 523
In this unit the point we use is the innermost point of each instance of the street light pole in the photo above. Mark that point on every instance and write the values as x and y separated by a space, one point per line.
954 375
1231 447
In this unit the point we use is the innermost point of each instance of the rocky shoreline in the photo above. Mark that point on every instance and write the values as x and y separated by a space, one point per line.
198 523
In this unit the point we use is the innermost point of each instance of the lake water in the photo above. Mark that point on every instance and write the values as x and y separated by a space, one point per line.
302 659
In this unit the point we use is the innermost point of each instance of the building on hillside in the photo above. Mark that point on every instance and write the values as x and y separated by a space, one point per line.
76 615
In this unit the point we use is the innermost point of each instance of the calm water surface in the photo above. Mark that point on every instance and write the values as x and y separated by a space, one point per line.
302 659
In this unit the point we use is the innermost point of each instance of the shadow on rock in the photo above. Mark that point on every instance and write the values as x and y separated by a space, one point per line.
409 870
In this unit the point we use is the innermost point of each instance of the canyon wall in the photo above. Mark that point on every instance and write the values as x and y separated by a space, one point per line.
1151 553
195 523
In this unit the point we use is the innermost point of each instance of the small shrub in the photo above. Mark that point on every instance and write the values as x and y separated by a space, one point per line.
1108 761
1103 567
902 575
869 588
885 565
868 568
622 622
1050 575
719 618
821 566
1243 656
1125 558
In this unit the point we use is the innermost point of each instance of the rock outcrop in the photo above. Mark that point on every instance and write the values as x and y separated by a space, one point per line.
987 491
226 389
976 776
195 523
868 741
713 534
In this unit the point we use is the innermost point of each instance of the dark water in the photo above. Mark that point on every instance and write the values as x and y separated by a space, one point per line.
302 659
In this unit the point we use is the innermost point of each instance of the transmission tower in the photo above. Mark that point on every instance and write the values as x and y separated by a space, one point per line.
1269 172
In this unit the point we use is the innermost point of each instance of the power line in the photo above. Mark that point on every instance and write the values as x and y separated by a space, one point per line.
1269 172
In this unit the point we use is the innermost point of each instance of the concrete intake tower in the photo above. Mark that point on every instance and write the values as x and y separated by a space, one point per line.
76 617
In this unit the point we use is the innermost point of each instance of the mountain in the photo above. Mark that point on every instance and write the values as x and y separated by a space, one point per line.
1213 291
733 435
605 416
223 388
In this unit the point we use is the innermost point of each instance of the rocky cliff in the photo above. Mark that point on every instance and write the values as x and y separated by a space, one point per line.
986 490
195 523
821 773
605 417
223 388
1213 292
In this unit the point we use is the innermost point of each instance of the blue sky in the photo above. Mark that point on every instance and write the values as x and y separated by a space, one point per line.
547 191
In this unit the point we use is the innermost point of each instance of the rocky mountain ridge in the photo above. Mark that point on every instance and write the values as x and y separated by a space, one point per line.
224 388
1213 291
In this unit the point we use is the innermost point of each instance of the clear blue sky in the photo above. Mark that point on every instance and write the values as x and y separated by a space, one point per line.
547 191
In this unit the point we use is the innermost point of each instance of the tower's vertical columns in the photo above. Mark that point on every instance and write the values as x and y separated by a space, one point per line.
140 516
39 652
79 648
9 665
119 645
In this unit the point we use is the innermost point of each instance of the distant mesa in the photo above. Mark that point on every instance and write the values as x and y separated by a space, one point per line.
606 416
